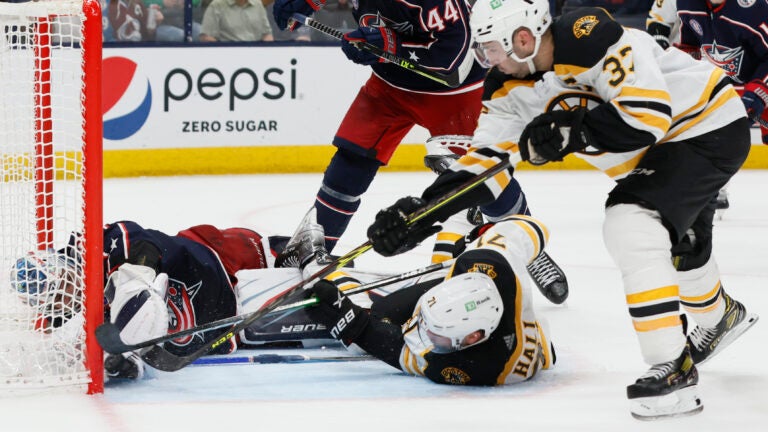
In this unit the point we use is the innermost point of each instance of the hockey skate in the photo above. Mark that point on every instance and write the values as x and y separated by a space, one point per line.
706 342
123 366
721 203
666 390
549 278
305 246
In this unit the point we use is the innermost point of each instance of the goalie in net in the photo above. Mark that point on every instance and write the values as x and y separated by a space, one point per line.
157 284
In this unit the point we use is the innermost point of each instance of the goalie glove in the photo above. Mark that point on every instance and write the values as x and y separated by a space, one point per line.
137 302
542 141
382 37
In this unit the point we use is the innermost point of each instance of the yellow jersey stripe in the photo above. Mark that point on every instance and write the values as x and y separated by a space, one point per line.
653 295
657 324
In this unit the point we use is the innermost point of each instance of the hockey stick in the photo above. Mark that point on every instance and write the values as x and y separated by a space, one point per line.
276 358
108 334
163 360
452 80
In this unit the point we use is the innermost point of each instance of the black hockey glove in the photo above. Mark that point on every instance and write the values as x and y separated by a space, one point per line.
390 233
542 142
345 320
660 33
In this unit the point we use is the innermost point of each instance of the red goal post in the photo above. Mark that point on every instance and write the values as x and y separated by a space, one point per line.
50 187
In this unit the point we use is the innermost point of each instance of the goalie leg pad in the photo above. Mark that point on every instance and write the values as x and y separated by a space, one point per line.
137 303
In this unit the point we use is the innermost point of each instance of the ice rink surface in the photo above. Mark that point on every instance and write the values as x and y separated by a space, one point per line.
598 355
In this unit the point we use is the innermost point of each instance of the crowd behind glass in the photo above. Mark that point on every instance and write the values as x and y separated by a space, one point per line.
184 21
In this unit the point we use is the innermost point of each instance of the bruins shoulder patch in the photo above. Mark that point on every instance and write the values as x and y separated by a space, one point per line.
582 37
584 25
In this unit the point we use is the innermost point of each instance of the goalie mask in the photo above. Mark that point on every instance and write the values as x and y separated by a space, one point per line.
494 23
45 279
460 312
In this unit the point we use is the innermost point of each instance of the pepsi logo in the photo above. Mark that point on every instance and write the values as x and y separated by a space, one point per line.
126 98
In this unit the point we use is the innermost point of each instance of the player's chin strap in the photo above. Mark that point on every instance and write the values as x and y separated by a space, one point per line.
452 80
159 358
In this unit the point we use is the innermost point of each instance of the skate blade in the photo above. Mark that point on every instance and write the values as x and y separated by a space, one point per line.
683 402
749 320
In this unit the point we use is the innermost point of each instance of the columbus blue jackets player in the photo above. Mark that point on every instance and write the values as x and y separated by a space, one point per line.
432 33
156 283
731 34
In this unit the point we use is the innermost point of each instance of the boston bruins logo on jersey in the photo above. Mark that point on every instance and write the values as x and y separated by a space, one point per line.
584 25
453 375
483 268
567 101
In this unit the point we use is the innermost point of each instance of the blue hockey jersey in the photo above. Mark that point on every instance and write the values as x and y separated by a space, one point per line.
433 33
732 35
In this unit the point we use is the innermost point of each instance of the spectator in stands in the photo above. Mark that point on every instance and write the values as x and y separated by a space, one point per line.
337 14
301 34
133 21
236 21
172 28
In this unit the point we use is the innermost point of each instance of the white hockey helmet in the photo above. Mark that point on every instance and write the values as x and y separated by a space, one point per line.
40 278
494 23
456 308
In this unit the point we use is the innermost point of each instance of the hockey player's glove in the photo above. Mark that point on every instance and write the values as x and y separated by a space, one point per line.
284 9
755 98
542 141
660 33
382 37
345 320
390 233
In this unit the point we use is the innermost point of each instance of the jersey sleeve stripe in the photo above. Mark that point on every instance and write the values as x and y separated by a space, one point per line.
509 365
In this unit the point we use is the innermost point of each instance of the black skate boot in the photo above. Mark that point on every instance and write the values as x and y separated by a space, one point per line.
666 390
721 202
549 278
706 342
123 366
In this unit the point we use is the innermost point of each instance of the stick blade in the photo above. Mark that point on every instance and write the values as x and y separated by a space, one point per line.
160 359
108 337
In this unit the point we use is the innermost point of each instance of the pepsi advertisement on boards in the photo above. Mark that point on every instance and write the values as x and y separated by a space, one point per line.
225 96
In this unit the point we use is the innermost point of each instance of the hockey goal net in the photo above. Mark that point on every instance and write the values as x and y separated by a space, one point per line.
50 187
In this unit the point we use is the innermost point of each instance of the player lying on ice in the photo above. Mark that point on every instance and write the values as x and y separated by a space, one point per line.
672 138
157 283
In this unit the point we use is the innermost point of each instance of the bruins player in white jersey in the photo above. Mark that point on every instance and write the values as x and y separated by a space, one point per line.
672 132
688 133
476 326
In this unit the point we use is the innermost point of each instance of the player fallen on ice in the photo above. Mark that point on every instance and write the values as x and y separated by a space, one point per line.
474 326
158 284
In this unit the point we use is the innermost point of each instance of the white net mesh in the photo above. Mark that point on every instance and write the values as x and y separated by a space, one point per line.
41 194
